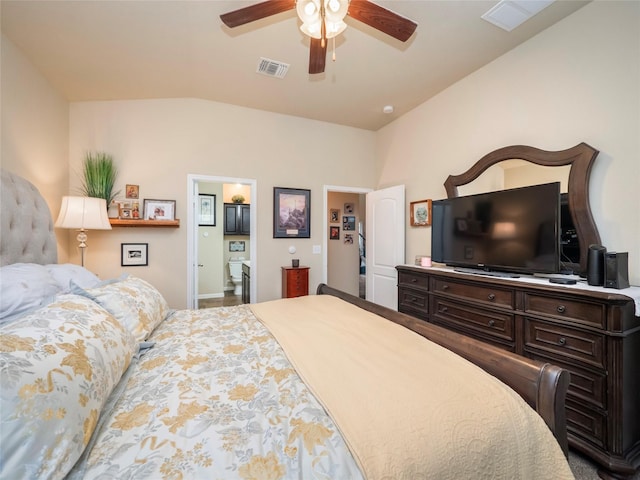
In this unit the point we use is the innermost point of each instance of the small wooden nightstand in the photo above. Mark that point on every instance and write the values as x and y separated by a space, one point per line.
295 281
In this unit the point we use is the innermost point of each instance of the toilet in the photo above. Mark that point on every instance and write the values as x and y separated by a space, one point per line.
235 272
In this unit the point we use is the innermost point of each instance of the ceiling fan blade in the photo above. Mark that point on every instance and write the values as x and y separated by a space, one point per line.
382 19
317 56
256 12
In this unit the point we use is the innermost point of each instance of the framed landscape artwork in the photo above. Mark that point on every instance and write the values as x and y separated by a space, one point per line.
291 213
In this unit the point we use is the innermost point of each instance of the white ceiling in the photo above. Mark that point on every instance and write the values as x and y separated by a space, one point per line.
106 50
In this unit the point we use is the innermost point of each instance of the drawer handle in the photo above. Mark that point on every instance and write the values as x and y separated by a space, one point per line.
492 323
561 309
414 280
562 341
445 287
444 310
491 296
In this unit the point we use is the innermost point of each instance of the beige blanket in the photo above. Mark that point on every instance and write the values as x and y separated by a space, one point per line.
408 408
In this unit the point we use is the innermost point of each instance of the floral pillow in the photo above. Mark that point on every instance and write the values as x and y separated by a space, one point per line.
137 304
59 366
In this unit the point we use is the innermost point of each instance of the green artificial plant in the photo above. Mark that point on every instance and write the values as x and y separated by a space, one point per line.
99 176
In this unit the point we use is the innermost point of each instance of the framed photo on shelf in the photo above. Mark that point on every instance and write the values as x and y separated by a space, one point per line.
291 213
134 254
206 210
334 233
420 213
159 209
132 191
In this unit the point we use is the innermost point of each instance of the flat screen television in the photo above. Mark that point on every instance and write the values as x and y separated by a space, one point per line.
515 230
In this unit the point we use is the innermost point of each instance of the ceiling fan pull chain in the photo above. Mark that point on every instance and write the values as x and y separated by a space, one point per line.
334 49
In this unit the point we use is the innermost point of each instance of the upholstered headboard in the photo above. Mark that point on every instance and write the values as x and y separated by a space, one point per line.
26 234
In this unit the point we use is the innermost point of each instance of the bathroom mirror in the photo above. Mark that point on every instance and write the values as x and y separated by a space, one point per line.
570 167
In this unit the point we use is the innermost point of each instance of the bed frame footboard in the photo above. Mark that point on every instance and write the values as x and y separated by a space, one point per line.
542 385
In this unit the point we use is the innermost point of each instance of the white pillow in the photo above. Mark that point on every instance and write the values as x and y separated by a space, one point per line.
64 273
59 365
25 287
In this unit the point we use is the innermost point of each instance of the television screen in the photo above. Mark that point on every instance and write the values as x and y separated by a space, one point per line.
516 230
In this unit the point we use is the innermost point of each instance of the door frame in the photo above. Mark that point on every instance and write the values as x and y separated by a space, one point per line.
325 223
192 229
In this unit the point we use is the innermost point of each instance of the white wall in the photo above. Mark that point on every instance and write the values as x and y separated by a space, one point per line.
211 266
35 131
577 81
157 143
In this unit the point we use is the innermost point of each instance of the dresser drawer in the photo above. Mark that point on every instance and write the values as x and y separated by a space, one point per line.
413 302
497 325
564 341
586 423
409 279
567 309
485 294
586 385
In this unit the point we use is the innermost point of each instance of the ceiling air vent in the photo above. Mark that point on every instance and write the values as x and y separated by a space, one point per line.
271 68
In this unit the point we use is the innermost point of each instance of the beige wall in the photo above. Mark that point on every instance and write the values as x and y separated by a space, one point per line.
576 81
157 143
35 131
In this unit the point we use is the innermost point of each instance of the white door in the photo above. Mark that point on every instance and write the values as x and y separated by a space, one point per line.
385 244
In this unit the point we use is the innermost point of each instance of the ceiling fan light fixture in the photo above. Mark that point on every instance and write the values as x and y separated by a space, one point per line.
310 12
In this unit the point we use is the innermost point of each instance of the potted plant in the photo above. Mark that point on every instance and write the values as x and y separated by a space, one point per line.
99 176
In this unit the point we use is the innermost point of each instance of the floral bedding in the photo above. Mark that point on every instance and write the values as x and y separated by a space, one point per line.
215 397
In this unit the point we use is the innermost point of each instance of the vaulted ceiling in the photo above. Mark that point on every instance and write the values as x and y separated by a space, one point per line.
111 49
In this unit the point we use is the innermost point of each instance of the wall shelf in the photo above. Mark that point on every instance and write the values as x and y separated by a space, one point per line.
120 222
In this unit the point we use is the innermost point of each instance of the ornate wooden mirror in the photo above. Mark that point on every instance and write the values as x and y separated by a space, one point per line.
580 159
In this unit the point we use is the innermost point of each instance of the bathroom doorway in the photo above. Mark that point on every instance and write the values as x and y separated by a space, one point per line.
212 248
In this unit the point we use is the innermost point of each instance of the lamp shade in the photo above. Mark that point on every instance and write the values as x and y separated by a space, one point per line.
83 213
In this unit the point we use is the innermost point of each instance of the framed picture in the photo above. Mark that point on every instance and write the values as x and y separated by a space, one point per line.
348 238
334 215
334 233
134 254
291 213
159 209
207 210
349 222
236 246
420 212
348 208
132 191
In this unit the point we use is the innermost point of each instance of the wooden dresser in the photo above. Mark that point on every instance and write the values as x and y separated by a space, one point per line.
593 334
295 281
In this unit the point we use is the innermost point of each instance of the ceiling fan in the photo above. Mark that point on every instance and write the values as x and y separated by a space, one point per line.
323 19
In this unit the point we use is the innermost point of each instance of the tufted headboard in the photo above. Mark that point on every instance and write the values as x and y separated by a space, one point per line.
26 226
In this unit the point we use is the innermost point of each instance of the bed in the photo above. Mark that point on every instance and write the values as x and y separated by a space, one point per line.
103 380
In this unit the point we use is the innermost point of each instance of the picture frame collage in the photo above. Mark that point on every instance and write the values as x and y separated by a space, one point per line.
348 223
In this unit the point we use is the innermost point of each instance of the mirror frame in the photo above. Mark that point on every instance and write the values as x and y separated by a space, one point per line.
580 157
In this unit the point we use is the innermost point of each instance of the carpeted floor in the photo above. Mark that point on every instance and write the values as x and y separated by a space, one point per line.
585 469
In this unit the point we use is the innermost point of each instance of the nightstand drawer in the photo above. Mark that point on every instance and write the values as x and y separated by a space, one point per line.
490 295
497 325
566 342
577 311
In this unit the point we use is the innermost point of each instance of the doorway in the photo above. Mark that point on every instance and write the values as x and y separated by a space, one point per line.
344 261
224 248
